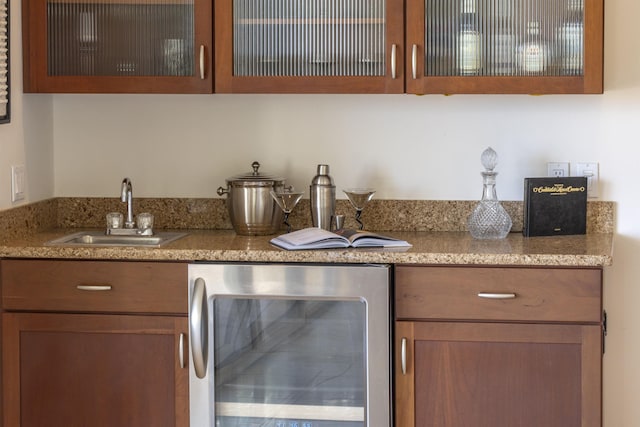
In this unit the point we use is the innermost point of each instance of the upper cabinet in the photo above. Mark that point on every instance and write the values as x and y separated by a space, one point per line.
309 46
504 46
314 46
452 46
115 46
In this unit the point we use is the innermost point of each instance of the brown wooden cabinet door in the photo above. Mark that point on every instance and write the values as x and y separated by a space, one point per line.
502 46
497 375
94 370
354 46
128 46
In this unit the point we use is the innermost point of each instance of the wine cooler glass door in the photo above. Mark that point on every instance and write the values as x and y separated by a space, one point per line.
289 362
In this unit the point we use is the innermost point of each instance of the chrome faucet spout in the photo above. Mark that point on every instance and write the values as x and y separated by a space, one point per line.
127 197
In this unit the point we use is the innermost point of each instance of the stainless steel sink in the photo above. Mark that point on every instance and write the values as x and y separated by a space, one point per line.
99 238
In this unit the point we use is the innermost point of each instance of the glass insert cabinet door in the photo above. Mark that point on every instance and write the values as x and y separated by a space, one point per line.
309 46
289 363
155 45
522 46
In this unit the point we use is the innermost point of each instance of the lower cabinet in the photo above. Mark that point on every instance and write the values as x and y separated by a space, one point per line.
72 359
492 347
94 370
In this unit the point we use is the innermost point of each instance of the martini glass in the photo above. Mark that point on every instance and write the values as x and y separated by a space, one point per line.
359 197
287 200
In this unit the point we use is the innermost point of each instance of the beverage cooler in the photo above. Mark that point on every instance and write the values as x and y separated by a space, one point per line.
289 345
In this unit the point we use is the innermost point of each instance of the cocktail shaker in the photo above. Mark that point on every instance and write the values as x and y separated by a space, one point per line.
322 193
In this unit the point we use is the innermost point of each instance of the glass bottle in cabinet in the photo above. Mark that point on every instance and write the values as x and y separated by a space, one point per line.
469 46
534 52
124 46
570 36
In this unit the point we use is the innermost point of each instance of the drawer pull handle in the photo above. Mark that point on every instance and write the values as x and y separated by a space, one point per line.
393 61
94 287
181 351
414 61
501 295
403 356
202 65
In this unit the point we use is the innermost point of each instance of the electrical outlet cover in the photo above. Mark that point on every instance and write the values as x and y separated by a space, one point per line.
558 169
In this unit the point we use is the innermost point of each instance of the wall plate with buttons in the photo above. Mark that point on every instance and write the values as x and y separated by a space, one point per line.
17 182
591 171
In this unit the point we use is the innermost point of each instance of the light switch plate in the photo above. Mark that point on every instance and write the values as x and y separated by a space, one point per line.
591 171
17 182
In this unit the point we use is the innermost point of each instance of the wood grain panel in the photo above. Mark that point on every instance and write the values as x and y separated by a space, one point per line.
77 370
136 287
567 295
492 374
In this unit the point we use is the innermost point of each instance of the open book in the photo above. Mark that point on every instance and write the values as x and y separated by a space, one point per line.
318 238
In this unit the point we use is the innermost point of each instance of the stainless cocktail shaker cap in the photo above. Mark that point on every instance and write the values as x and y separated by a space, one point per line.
322 193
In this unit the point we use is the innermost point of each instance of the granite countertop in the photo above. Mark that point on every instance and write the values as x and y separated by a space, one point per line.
451 248
436 229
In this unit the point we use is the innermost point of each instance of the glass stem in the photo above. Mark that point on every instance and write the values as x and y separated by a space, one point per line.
358 213
286 222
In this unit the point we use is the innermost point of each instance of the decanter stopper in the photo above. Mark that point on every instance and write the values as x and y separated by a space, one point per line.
489 220
489 159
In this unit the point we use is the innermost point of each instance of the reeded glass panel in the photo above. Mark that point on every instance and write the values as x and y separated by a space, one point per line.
287 362
115 38
309 37
504 37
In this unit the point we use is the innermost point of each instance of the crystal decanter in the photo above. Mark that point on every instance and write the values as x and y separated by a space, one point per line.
489 220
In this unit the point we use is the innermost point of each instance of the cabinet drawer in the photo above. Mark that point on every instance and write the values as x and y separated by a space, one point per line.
496 293
94 286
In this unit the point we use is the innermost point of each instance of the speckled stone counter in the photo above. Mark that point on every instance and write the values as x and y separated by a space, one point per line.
454 248
436 229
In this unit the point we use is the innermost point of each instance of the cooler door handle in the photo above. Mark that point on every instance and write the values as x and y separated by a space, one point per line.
198 327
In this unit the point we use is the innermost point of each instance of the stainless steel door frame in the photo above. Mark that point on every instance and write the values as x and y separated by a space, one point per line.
368 283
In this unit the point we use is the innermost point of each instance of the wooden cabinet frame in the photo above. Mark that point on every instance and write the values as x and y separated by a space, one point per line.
44 328
226 82
591 82
36 78
586 339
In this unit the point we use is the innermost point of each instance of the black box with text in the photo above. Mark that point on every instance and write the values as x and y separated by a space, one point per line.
555 206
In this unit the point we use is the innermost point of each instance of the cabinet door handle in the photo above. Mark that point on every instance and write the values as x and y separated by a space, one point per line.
393 61
403 356
414 61
181 350
198 327
497 295
94 287
202 62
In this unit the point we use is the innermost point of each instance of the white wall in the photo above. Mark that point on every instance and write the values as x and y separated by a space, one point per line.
406 146
28 138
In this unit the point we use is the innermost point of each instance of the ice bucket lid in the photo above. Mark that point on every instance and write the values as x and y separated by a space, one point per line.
254 177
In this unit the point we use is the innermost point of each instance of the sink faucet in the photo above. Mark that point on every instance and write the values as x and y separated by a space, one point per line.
127 197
